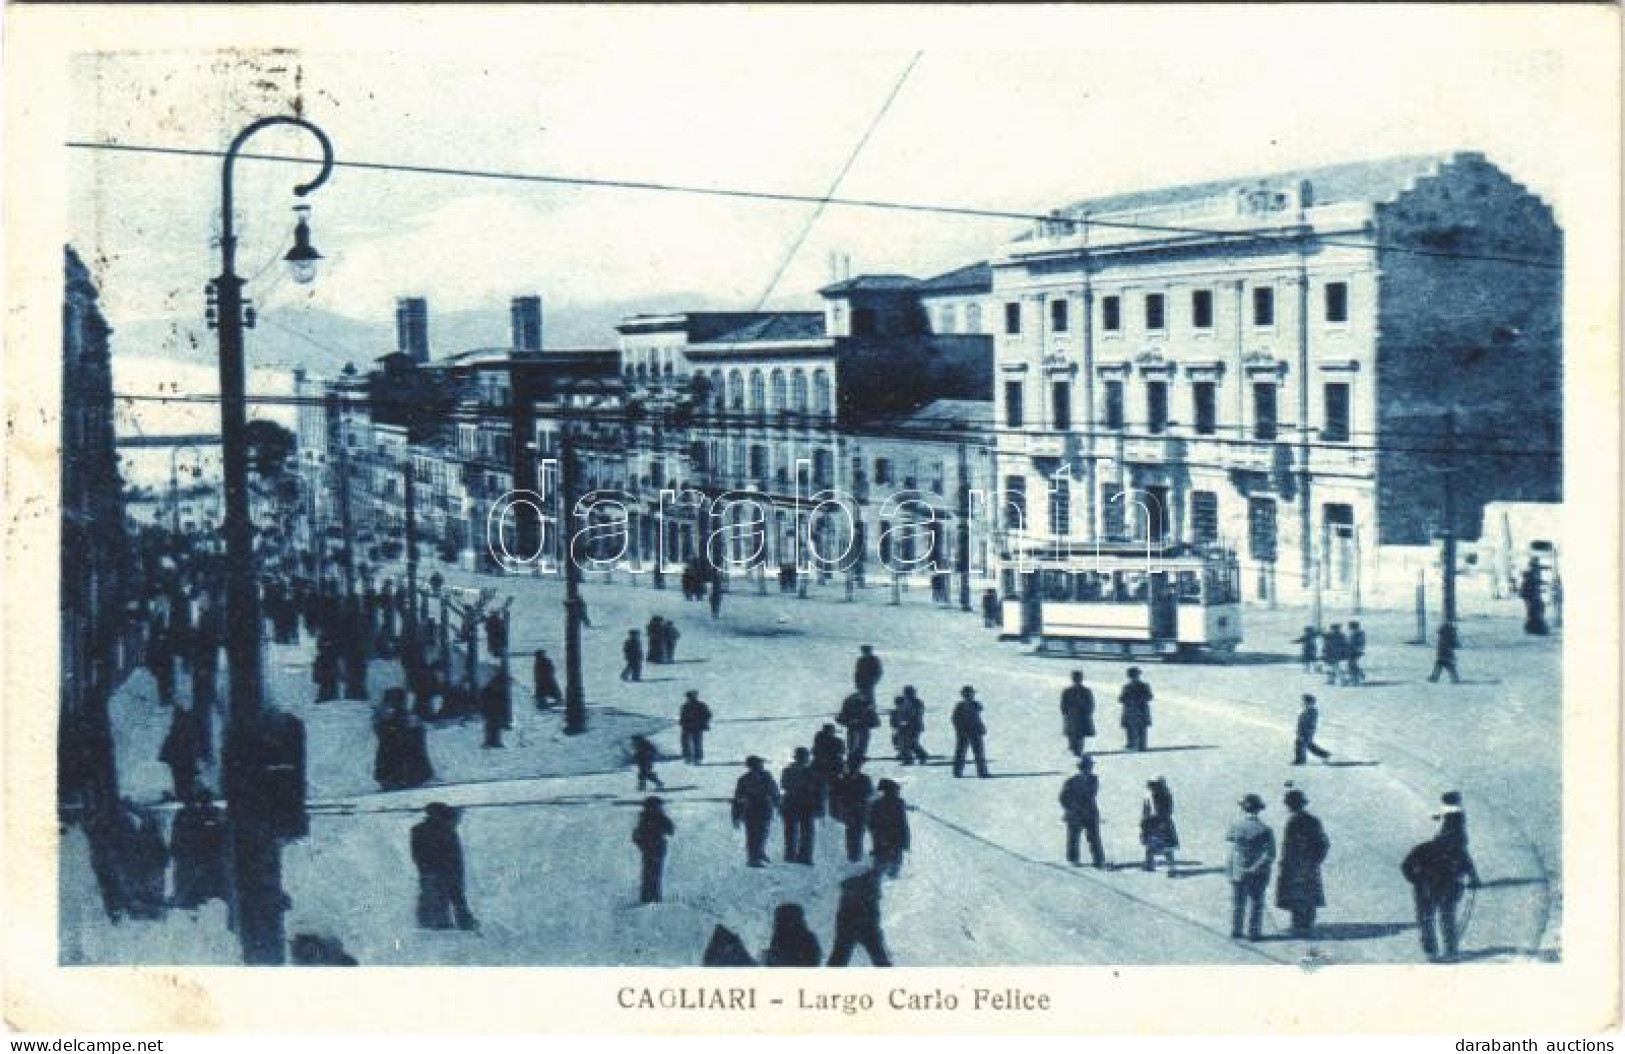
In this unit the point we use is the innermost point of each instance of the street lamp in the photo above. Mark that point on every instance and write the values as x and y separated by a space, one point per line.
249 777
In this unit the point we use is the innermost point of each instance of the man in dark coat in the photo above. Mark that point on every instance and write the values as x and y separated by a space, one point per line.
866 673
402 757
160 659
857 920
828 762
546 678
849 803
1333 653
1080 805
1077 714
990 609
1308 722
798 807
694 719
1356 654
1453 829
1135 699
1444 654
654 633
908 724
198 843
793 944
650 835
1436 869
969 733
859 718
1252 852
632 652
438 853
182 751
1304 846
494 709
1309 641
716 595
755 799
644 756
325 669
1534 601
888 828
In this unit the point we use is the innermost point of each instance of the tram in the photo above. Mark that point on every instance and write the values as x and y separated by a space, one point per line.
1123 600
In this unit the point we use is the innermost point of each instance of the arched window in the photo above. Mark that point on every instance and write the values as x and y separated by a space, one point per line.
779 392
798 392
643 372
758 392
719 394
823 404
736 390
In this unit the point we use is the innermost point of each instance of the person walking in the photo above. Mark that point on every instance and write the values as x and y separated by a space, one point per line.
495 709
1135 699
970 733
793 943
756 798
1080 807
644 756
1444 654
655 634
653 829
1333 653
888 828
1453 828
849 803
438 853
908 725
632 652
1077 714
990 609
857 920
546 677
668 641
828 762
694 720
1304 744
1309 643
1356 672
716 594
1304 846
1436 870
867 671
1157 831
799 804
1252 854
859 718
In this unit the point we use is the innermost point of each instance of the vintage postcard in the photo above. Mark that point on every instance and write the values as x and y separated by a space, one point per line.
1111 512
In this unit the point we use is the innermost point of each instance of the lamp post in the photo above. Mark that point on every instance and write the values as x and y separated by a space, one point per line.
249 777
174 481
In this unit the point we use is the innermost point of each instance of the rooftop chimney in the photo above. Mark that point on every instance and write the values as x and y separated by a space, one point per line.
412 328
526 315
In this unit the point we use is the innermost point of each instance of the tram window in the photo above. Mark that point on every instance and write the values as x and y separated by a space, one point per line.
1190 587
1089 585
1057 585
1008 582
1131 585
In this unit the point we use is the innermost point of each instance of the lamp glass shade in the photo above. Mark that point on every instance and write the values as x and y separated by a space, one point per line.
302 258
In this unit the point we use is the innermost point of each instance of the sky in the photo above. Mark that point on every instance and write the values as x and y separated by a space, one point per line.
1126 106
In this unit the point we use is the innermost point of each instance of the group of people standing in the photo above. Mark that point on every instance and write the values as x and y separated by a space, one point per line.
1337 654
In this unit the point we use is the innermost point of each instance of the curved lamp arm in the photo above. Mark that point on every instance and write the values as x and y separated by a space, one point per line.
228 237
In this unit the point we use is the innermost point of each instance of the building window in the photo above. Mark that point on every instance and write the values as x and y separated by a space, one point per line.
1337 301
1261 538
1113 522
1263 306
1156 406
938 478
973 318
798 392
1015 502
736 390
883 473
1012 318
823 404
1114 405
1202 308
1012 404
1336 429
1205 407
778 389
1061 405
758 391
823 469
948 318
1111 313
758 462
1060 507
1264 410
1155 320
1204 517
1057 315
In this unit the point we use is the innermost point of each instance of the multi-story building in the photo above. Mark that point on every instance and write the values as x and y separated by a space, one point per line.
1277 364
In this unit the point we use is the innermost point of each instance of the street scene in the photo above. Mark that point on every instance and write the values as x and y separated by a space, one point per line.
1154 565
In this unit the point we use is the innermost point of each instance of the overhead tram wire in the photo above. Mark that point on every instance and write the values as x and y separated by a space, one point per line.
1271 234
741 420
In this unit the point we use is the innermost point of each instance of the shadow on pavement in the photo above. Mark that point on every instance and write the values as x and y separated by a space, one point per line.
1358 931
1150 750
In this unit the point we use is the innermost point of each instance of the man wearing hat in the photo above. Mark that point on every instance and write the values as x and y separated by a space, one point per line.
1435 869
1304 846
694 718
1081 808
1308 723
888 828
1136 701
1252 854
756 798
969 732
438 854
1077 714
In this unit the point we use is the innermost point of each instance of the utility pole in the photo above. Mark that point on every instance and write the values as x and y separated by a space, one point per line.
1449 604
575 700
346 525
962 534
411 553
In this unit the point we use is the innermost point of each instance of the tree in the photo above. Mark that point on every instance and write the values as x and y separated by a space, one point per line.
269 447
